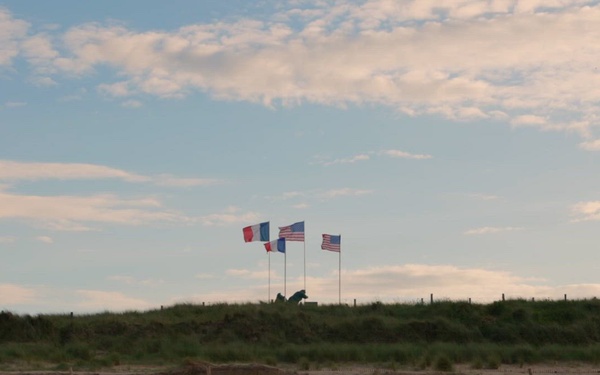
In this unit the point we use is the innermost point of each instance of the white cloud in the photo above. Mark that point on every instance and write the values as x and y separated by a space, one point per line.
32 171
11 294
410 283
468 61
529 120
7 239
405 155
43 81
585 211
484 197
98 300
248 274
344 192
204 276
130 280
12 31
318 194
591 145
491 230
45 239
172 181
132 104
14 104
288 195
231 215
74 212
351 160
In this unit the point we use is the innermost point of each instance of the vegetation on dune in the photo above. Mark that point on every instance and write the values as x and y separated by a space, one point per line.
436 335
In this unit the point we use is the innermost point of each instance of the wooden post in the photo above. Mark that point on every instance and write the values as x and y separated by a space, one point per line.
469 300
431 298
355 302
422 302
565 296
502 297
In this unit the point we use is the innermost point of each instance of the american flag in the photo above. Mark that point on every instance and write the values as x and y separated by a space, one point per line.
331 242
294 232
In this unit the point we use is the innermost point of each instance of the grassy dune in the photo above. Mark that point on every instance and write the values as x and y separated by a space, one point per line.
434 335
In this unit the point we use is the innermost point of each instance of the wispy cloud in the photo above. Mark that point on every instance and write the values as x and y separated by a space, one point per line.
591 145
76 213
405 155
410 283
491 230
99 300
393 283
14 104
32 171
585 211
319 194
7 239
367 156
484 197
231 215
351 160
12 294
343 192
247 274
45 239
132 104
130 280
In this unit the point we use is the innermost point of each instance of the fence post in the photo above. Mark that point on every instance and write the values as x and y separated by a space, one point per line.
469 300
431 298
355 302
565 296
502 297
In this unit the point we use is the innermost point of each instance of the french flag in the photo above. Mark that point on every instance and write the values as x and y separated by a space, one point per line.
258 232
277 245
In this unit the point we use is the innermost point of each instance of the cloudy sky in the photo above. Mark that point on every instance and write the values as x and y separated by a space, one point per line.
453 144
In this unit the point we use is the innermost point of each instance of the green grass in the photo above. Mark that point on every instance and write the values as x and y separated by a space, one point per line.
409 335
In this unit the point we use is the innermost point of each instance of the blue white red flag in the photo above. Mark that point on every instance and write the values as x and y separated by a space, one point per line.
294 232
276 246
331 242
258 232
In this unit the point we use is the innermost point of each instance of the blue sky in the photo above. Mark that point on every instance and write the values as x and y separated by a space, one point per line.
454 146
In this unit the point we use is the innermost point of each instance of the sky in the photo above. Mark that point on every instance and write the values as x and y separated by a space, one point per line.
454 145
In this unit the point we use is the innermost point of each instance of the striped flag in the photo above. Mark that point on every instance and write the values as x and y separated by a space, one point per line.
331 242
276 246
294 232
258 232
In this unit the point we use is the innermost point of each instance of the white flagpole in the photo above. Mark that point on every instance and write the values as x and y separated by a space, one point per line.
305 261
340 277
269 300
285 274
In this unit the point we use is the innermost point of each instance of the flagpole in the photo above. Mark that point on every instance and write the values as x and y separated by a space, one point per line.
340 277
305 261
269 300
285 274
